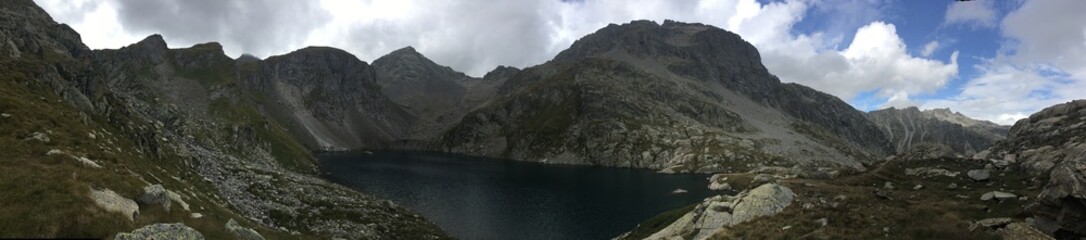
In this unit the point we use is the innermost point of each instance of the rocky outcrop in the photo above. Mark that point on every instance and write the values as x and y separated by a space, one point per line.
1051 145
113 202
155 195
677 96
720 212
175 231
923 134
242 233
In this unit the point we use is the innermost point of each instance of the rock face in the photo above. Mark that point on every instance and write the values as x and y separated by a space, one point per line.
1051 144
328 98
720 212
162 231
684 97
925 133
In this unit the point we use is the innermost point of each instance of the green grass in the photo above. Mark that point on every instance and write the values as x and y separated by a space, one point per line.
48 196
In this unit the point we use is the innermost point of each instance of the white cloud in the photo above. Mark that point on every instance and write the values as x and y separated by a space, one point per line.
1042 63
929 48
876 60
971 13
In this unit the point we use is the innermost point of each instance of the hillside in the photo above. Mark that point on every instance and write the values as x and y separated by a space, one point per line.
100 142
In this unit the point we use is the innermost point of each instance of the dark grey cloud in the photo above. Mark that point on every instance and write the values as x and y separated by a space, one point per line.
260 27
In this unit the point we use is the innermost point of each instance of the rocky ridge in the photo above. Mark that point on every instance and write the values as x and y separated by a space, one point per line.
679 97
935 132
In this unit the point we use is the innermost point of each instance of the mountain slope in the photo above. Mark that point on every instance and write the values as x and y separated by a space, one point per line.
911 129
682 97
327 98
86 132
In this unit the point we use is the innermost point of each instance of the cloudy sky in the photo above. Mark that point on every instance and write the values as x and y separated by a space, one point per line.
998 60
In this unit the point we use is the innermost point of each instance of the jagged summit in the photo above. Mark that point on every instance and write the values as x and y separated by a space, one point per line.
153 41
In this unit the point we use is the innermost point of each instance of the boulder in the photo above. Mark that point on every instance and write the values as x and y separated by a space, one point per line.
992 223
1022 231
997 195
113 202
978 174
38 136
172 231
724 211
242 233
177 199
155 195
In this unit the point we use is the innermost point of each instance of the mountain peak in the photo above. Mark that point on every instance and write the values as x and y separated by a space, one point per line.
154 41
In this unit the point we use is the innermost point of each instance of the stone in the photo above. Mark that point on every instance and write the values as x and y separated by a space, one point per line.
992 223
679 191
952 186
1022 231
54 152
761 179
888 186
177 199
883 193
997 195
87 162
113 202
155 195
172 231
242 233
91 136
5 115
822 221
196 215
930 172
38 136
978 174
918 187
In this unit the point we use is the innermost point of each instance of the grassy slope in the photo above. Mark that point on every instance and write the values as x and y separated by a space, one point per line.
48 196
932 212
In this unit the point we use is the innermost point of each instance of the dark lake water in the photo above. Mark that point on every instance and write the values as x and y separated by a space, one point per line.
481 198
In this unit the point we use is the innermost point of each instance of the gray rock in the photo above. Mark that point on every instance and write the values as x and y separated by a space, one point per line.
930 172
978 174
172 231
997 195
935 133
725 211
952 186
822 221
38 136
5 115
155 195
992 223
1021 231
113 202
242 233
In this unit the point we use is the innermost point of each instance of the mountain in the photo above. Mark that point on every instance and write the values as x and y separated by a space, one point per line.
98 142
327 98
913 131
1050 145
433 93
677 96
